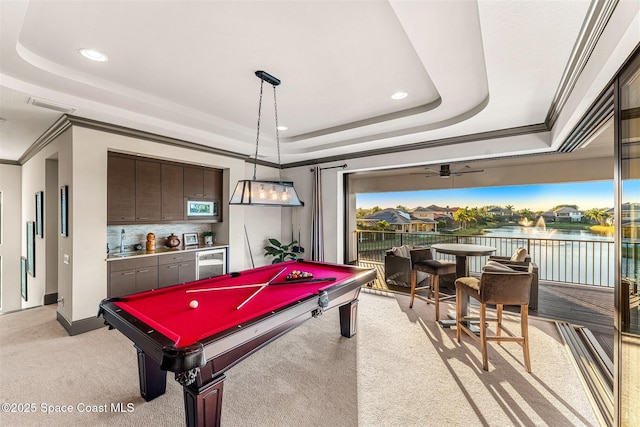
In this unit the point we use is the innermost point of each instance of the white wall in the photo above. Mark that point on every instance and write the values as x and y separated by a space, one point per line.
33 180
11 246
89 206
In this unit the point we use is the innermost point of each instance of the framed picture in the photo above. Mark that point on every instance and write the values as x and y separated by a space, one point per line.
31 248
190 239
39 196
202 208
23 277
64 210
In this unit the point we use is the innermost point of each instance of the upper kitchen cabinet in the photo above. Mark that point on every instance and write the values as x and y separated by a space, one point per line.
148 191
202 183
172 183
121 190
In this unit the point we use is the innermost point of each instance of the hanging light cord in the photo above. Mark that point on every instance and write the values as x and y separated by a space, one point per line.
255 162
275 107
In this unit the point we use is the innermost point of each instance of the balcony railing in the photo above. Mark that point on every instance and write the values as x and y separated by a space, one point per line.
584 262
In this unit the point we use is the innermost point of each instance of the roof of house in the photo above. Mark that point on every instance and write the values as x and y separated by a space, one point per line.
392 216
565 210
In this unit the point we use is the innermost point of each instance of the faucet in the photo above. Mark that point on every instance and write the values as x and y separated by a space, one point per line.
122 235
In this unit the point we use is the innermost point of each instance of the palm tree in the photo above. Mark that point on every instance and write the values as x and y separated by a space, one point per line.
599 215
463 216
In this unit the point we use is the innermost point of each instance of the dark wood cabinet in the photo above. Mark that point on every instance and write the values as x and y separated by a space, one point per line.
141 190
132 275
212 183
148 191
172 188
203 183
121 191
176 268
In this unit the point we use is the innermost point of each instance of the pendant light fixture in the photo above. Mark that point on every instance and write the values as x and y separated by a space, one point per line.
253 192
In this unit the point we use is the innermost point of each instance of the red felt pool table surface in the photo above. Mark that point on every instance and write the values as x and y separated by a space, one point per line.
168 311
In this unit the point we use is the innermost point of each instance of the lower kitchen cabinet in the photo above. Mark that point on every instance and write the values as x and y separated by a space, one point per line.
131 275
176 268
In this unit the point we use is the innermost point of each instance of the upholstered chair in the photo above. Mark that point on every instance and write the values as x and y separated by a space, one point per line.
423 262
521 261
398 266
498 285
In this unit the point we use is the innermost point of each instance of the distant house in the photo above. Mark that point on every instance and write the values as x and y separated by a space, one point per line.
401 221
629 215
502 214
439 210
568 214
548 216
423 213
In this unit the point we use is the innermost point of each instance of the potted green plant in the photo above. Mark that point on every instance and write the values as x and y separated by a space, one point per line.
208 237
279 251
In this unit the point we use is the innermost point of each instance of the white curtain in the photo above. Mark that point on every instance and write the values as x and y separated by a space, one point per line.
317 235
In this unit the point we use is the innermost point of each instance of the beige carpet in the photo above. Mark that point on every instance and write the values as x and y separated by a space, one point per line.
401 369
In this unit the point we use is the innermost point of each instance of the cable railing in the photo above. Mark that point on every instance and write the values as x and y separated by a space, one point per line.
579 261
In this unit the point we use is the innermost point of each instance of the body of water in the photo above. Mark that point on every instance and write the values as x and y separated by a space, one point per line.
574 256
546 233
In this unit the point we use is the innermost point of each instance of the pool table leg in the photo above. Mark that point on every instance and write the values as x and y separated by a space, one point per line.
203 405
348 317
153 380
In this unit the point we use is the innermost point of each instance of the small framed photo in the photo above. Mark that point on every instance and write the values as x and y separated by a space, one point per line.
64 210
39 196
23 278
190 239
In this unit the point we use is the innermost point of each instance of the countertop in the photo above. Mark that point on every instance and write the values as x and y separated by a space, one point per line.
114 256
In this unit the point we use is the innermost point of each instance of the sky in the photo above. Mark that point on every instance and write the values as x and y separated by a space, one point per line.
539 197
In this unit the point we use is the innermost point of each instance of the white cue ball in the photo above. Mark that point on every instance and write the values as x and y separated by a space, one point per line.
193 304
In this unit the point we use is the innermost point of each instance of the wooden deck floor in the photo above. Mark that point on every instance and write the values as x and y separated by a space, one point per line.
590 307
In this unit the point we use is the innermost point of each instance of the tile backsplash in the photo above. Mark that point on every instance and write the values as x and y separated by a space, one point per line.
137 234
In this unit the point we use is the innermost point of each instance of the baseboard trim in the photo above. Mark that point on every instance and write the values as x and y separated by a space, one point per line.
50 298
80 326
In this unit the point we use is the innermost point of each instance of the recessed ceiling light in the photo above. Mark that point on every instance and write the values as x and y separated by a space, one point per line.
93 55
399 95
282 128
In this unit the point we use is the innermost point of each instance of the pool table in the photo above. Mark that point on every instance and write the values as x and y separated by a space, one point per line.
200 329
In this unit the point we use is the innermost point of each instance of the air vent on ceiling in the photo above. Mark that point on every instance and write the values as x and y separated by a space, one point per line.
51 105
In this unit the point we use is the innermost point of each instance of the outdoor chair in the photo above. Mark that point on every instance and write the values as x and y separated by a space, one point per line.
398 266
423 262
520 261
498 285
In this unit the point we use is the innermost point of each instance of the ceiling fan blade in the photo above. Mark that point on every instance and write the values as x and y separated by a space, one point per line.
465 169
461 172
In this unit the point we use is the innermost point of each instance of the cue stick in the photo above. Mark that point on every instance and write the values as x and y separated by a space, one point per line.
295 282
255 285
260 288
225 288
246 235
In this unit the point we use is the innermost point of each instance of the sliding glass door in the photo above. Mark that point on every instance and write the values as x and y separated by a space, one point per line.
628 244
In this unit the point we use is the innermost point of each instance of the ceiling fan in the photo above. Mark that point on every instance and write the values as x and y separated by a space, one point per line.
445 171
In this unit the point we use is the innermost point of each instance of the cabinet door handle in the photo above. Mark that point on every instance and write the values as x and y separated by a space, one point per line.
142 271
178 257
128 273
172 266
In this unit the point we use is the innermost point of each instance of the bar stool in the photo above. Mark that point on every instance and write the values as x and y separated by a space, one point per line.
499 288
434 268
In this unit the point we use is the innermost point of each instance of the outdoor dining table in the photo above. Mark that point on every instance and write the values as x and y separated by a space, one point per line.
462 252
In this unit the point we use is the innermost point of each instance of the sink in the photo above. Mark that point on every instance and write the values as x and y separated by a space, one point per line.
121 254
